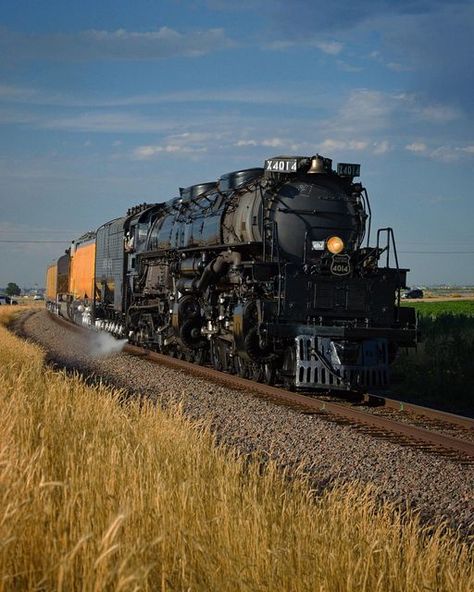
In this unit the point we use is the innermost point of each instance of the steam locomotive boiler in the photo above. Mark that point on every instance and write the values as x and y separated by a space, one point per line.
264 273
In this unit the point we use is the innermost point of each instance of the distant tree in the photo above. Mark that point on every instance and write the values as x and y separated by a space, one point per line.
13 289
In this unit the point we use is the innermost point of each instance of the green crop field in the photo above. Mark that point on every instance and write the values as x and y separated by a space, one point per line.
437 307
440 372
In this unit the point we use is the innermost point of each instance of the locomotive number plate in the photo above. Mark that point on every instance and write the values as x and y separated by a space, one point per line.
340 265
281 165
346 169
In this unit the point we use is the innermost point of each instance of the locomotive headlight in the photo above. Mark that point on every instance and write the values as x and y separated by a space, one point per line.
335 245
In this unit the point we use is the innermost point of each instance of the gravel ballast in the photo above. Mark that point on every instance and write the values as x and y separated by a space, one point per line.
439 488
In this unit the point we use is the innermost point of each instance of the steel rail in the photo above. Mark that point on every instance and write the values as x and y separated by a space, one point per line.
385 425
312 403
429 412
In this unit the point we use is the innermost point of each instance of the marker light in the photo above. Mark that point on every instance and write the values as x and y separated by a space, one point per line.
335 245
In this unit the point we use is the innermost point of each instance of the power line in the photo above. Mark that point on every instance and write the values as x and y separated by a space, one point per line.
35 241
39 230
438 252
404 252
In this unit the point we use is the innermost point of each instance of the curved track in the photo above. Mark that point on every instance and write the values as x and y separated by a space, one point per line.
417 426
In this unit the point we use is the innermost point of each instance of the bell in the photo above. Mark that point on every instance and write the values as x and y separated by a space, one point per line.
317 165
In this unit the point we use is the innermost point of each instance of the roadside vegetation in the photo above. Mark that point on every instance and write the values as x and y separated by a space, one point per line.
441 371
100 492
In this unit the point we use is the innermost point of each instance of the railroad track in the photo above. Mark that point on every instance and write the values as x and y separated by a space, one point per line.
402 422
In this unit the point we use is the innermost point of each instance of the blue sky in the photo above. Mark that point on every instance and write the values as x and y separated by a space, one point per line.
104 104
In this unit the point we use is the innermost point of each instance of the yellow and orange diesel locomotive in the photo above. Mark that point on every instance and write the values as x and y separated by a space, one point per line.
70 279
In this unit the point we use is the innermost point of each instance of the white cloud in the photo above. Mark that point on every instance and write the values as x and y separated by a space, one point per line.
370 113
278 45
367 115
192 138
283 143
113 45
363 119
397 67
444 153
274 142
417 147
330 47
184 143
381 147
250 95
345 67
143 152
16 93
367 110
106 122
147 152
378 57
441 199
336 145
15 116
439 113
243 143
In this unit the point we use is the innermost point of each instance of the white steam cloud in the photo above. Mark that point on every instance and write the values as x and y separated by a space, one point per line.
103 344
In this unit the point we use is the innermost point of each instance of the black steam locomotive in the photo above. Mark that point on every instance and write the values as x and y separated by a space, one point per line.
267 273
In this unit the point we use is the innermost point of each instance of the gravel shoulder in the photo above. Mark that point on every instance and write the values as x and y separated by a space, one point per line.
439 488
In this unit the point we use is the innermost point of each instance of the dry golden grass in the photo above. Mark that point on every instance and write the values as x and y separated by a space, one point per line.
99 494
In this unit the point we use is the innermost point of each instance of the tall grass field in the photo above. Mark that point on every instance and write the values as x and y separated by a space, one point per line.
102 493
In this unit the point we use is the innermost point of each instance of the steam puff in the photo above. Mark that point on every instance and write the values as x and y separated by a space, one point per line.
103 344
